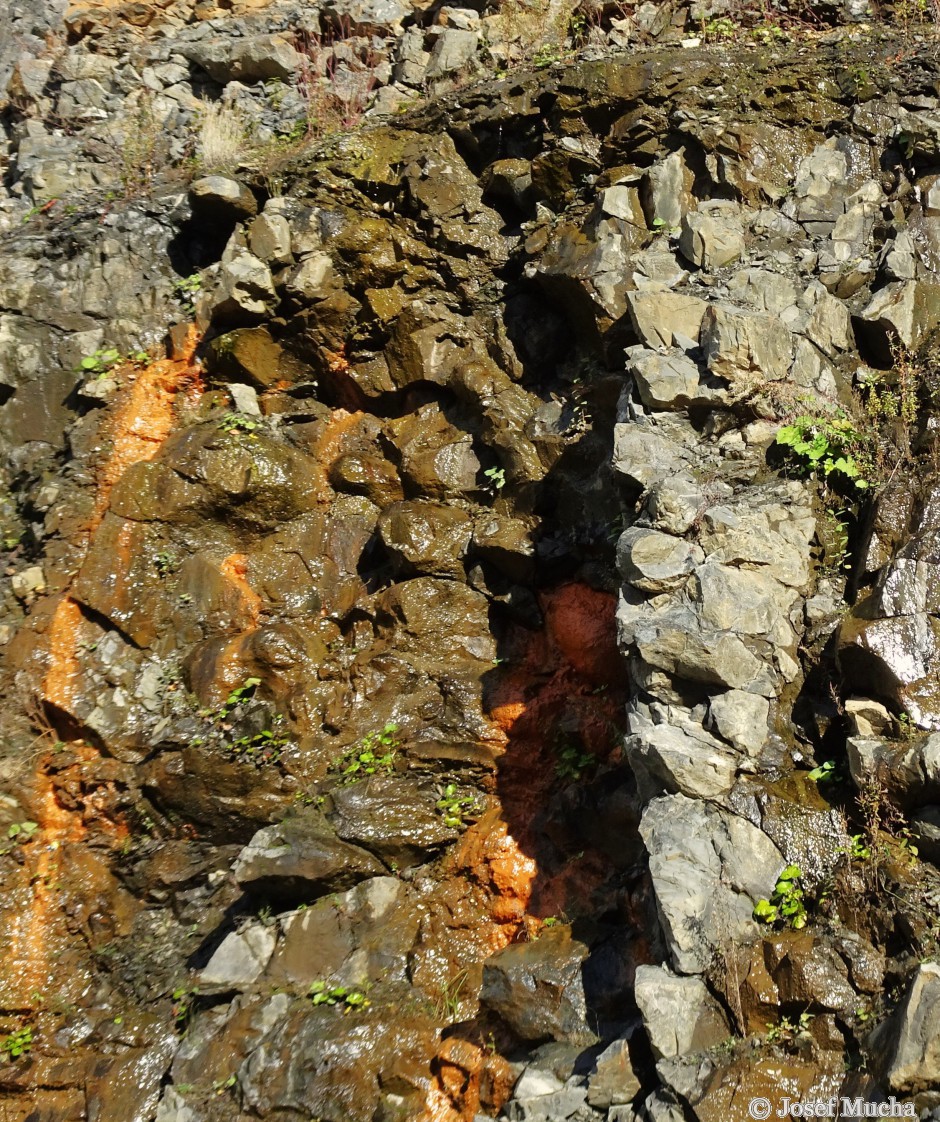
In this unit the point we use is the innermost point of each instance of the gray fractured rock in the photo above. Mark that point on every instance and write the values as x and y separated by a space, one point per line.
820 189
668 757
747 603
311 279
645 456
675 502
679 1014
301 858
745 347
741 719
255 58
613 1081
536 987
241 958
667 192
915 1058
762 289
658 317
243 289
454 50
223 199
555 1107
910 771
362 936
905 311
709 868
655 562
668 381
675 639
712 236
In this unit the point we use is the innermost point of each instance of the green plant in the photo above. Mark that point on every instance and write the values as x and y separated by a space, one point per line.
322 994
22 831
858 850
448 1004
264 747
547 55
789 1030
99 362
572 760
719 27
238 422
183 1001
18 1043
186 289
824 447
497 477
374 753
786 901
454 806
824 773
166 562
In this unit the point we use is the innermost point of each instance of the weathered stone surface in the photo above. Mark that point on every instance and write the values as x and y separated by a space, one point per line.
709 869
301 858
745 347
390 818
669 381
253 59
712 236
219 198
613 1081
645 456
741 719
667 755
536 987
241 958
667 192
656 562
357 938
905 311
659 317
915 1059
426 538
679 1014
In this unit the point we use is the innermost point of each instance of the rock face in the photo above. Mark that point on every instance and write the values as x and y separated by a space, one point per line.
427 685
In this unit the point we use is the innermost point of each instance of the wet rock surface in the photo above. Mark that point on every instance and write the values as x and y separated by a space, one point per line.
428 686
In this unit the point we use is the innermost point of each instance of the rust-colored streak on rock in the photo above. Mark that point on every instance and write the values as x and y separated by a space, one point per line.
568 676
581 623
329 447
63 667
235 569
143 418
31 943
141 421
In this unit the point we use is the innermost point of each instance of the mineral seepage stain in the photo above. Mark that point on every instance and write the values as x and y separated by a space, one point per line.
415 681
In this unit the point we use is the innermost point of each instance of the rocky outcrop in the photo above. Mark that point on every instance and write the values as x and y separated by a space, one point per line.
429 648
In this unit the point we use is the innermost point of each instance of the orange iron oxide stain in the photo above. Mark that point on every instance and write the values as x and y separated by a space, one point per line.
235 569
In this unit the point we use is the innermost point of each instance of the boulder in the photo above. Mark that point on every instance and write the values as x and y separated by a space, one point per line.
745 347
709 868
241 958
655 562
613 1081
301 858
712 236
915 1055
536 987
679 1014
